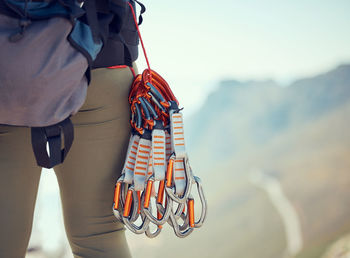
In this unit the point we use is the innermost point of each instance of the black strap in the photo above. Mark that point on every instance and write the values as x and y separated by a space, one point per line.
102 6
73 9
92 19
52 135
143 9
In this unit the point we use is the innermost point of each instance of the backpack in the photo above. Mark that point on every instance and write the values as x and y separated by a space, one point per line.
48 48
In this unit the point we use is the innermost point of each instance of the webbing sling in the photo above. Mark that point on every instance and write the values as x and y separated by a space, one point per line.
53 136
92 19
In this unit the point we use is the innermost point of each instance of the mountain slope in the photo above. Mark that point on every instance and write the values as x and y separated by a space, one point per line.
299 134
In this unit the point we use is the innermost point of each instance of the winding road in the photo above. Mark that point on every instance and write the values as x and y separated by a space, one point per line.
284 207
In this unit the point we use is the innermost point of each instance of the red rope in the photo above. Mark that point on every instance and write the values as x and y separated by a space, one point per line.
138 31
117 66
123 66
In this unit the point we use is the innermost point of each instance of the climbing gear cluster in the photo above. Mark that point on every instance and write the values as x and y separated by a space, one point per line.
156 181
157 156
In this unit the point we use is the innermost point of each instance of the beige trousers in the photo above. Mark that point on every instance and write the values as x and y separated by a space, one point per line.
86 178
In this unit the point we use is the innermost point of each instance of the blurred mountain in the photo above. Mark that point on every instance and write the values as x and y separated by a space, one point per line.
242 115
300 135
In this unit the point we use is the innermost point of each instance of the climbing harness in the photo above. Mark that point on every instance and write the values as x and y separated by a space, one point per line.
155 186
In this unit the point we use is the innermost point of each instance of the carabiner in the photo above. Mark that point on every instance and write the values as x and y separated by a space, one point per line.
151 109
180 214
200 222
178 230
146 114
162 216
128 219
155 92
190 211
148 192
137 229
118 203
185 220
150 234
189 180
145 111
156 102
130 203
179 210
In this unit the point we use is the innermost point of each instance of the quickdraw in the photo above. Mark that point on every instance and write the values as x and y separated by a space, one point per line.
156 158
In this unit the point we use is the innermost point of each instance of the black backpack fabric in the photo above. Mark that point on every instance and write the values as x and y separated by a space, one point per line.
121 47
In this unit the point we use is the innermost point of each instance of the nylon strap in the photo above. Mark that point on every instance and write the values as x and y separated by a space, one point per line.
168 145
159 155
150 170
141 165
52 135
143 9
177 135
130 160
179 176
91 17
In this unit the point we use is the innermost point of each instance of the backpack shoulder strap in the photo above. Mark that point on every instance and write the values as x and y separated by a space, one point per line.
92 19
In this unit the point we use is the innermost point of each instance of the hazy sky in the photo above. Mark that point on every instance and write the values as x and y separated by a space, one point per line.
194 44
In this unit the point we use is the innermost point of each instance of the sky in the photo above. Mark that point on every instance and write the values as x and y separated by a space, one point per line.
195 44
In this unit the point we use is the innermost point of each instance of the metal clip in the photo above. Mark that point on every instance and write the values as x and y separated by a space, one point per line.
200 222
128 219
189 179
163 216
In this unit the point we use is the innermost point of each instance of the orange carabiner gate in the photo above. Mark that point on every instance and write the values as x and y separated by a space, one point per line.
127 206
190 207
117 195
160 195
148 193
169 173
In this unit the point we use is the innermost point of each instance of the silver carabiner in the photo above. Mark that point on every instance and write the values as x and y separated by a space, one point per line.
185 220
135 207
178 230
129 220
118 203
150 234
137 229
189 179
165 213
122 198
200 222
179 210
184 225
